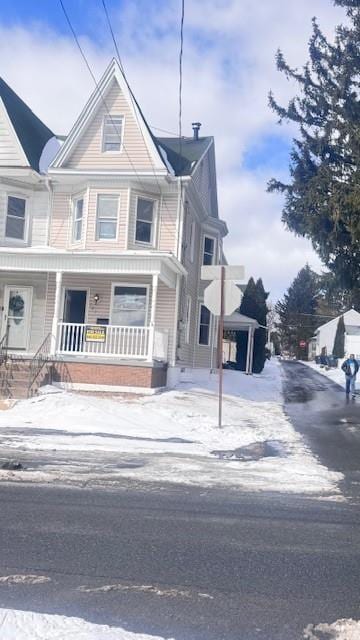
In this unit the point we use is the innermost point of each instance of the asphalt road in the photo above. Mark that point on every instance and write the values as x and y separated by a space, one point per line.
191 564
329 422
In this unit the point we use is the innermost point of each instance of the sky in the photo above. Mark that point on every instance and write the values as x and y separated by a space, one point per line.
228 70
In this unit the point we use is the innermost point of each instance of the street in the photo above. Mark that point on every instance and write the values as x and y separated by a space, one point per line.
191 563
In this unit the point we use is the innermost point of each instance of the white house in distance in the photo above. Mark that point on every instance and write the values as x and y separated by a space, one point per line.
323 340
101 252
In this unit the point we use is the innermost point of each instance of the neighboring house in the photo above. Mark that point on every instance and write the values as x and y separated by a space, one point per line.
323 340
100 253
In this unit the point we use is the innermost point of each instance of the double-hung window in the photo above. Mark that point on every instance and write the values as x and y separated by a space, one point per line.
107 217
204 325
144 231
78 214
129 306
209 250
112 133
15 227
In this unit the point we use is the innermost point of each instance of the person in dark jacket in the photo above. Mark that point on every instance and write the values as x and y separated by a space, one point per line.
350 367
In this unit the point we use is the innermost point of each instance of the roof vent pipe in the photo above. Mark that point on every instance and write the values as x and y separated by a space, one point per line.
196 126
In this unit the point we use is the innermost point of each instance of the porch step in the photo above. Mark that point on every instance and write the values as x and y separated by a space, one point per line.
14 379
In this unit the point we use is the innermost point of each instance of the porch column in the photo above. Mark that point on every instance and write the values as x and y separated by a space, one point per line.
248 352
56 316
155 283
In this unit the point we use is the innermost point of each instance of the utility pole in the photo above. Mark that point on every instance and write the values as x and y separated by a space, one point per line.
220 342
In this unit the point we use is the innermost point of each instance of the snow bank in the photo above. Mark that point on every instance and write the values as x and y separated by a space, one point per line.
339 630
176 433
25 625
336 375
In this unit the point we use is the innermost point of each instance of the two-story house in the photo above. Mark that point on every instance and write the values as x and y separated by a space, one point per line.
101 252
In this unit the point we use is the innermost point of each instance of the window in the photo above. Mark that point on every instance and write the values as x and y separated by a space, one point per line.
78 212
204 325
129 306
107 217
209 250
187 319
144 220
15 218
112 133
192 241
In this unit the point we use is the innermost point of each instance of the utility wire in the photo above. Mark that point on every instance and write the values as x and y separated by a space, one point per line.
135 105
99 91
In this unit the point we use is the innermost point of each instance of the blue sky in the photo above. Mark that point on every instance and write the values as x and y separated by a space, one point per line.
229 68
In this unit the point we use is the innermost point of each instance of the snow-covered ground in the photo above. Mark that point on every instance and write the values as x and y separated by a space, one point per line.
173 435
336 375
339 630
25 625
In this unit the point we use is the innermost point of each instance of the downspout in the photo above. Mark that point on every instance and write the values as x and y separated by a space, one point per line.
48 185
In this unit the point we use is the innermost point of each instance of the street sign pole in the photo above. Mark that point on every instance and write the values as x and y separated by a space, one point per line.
220 343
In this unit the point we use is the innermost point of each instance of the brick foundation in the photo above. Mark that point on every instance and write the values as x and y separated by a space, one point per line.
117 375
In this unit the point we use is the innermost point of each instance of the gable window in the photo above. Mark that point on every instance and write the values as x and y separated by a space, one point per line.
15 227
112 133
78 214
204 325
209 250
107 217
144 220
129 306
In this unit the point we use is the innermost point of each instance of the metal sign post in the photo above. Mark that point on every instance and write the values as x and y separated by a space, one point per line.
220 343
222 289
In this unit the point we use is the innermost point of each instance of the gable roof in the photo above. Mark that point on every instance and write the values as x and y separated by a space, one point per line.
96 99
351 320
31 132
184 157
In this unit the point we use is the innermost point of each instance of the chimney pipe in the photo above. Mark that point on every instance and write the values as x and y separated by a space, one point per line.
196 126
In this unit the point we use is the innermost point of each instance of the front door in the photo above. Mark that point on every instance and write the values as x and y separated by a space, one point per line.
17 315
75 306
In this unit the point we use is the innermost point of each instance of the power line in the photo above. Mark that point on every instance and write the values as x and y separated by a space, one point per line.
135 105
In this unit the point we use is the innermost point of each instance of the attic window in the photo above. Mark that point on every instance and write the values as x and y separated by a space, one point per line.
112 133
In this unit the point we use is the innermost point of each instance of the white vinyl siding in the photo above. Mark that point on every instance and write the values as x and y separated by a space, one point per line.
107 217
187 319
191 242
112 133
16 218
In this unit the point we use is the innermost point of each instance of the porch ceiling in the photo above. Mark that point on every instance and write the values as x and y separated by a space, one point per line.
165 265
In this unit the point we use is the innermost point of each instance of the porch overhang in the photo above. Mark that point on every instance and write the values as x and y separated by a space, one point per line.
238 322
165 265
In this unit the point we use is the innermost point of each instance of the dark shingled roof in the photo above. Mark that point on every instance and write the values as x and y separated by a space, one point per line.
31 132
191 152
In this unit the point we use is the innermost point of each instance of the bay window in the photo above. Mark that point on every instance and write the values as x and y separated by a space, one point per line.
15 227
144 230
107 217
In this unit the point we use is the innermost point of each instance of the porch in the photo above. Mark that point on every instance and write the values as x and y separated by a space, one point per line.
90 307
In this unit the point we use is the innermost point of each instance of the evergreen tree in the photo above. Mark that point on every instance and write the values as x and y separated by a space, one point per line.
339 342
322 198
297 312
254 306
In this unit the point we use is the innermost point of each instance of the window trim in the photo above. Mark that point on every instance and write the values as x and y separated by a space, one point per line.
155 202
19 196
200 344
112 115
134 285
74 201
206 235
113 195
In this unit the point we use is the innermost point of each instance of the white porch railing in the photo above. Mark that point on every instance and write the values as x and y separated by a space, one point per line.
120 342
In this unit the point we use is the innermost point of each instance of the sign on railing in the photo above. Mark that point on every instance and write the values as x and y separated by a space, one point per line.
95 333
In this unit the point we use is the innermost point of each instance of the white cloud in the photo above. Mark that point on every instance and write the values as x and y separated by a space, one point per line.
228 70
